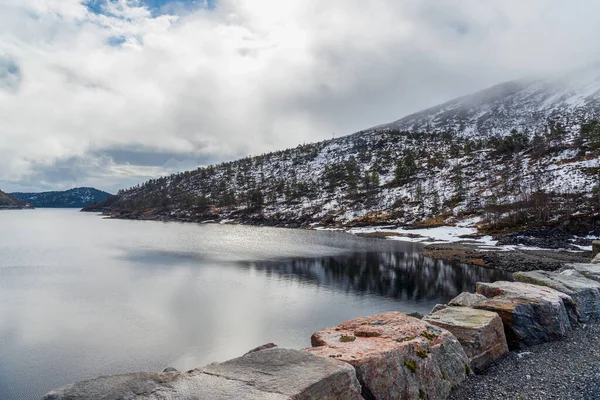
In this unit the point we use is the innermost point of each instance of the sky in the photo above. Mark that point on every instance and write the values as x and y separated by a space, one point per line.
110 93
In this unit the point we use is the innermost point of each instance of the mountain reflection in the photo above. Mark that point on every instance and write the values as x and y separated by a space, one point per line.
397 275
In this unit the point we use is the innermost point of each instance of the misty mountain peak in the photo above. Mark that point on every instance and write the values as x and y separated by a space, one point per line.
524 105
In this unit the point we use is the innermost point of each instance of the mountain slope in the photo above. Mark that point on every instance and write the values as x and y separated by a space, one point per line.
520 105
73 198
518 154
7 201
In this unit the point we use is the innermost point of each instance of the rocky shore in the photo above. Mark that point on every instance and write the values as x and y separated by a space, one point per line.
397 356
512 260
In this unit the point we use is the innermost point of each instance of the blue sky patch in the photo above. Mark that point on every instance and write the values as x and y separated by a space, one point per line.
157 7
10 74
116 40
95 6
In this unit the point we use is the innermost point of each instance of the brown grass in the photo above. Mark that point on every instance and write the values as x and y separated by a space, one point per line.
431 222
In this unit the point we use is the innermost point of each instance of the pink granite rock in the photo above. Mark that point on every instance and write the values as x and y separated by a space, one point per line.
396 356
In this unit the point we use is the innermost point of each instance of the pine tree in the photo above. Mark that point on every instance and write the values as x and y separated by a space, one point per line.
435 206
590 132
459 188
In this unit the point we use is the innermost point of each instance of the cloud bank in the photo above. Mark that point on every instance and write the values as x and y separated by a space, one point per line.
111 93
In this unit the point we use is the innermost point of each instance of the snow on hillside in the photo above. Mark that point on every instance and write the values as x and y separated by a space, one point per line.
518 153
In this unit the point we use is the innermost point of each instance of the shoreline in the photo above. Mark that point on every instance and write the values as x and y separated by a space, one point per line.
559 359
463 244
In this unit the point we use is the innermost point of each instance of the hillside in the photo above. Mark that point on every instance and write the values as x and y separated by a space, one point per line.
9 202
518 155
73 198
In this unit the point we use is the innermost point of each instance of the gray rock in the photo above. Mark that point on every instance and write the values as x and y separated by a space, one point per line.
263 347
155 386
293 373
480 333
595 248
531 314
585 292
590 271
438 307
596 259
272 374
466 299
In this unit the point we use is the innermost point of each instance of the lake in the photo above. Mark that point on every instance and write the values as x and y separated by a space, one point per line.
82 296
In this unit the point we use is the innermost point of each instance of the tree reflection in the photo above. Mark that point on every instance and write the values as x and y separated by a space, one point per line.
398 275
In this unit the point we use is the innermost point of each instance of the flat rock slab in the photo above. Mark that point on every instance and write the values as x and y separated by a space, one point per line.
531 314
396 356
585 292
293 373
480 332
590 271
272 374
155 386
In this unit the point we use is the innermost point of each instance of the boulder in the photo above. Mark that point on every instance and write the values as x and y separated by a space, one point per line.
466 299
263 347
293 373
584 292
396 356
590 271
161 386
438 307
480 333
270 374
595 248
596 259
531 314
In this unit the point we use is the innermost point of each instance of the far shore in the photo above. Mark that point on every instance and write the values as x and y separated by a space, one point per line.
546 249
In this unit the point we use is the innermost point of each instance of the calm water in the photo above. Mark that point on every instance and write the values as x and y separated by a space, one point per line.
82 296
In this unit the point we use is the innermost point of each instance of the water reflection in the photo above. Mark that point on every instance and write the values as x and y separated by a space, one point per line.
399 275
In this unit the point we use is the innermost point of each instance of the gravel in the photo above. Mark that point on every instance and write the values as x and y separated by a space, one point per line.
511 260
531 260
565 370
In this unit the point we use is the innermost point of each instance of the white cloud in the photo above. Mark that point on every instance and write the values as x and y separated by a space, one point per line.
249 75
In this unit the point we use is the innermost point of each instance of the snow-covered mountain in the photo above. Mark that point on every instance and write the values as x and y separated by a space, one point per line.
72 198
521 105
517 154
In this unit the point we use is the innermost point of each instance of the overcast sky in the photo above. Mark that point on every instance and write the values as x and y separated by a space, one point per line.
111 93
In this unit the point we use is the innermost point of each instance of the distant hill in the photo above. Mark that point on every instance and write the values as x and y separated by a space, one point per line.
101 206
73 198
9 202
